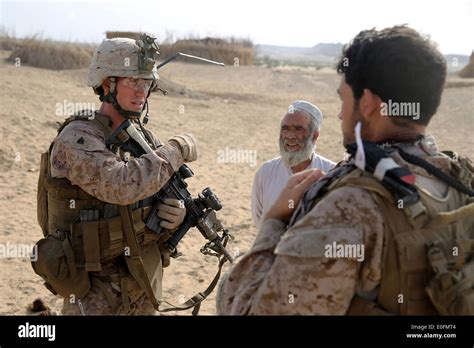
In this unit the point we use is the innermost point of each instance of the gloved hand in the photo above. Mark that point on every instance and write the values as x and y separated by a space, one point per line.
173 212
187 144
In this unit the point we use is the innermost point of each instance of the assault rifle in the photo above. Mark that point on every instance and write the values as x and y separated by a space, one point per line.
200 211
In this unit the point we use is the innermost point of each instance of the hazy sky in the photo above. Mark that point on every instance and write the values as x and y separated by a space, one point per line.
301 23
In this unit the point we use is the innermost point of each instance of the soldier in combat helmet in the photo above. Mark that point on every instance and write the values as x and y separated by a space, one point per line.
94 196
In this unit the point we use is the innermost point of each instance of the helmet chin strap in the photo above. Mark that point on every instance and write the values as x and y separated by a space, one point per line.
111 98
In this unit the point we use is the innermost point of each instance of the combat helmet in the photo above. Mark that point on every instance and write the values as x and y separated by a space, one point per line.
123 57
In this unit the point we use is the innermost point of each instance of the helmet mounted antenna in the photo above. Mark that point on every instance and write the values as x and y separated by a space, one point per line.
179 54
170 59
128 58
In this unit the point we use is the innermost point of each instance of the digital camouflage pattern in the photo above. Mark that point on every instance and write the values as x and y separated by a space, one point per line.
288 272
80 155
96 302
118 57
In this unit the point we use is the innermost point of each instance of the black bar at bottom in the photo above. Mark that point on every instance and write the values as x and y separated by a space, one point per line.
210 330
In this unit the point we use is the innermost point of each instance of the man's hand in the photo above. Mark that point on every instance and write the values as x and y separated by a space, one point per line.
291 195
172 211
187 144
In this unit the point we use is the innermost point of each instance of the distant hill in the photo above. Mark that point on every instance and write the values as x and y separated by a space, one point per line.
468 70
321 54
326 54
328 49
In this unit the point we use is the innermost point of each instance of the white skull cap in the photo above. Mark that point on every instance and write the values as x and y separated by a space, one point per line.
310 109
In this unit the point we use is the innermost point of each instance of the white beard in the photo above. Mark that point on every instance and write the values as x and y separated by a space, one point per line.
291 159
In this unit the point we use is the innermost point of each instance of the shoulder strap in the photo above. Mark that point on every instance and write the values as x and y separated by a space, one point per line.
448 179
416 213
136 262
102 122
196 300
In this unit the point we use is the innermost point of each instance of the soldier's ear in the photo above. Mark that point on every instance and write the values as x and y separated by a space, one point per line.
106 86
370 104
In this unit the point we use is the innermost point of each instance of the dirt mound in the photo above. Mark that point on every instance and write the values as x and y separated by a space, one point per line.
468 70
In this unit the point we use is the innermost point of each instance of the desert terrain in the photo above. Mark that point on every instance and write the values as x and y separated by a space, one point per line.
234 112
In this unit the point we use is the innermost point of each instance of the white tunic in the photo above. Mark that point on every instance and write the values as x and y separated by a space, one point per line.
270 180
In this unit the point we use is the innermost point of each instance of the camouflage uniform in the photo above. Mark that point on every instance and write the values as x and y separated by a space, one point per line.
287 271
97 303
80 155
84 252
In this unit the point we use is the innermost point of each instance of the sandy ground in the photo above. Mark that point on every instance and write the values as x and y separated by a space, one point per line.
228 109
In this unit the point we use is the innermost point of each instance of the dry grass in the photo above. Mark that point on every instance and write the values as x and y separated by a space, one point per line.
57 55
52 55
222 50
8 41
44 53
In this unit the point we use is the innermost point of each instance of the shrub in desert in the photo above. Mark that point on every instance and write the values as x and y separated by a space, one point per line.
228 51
222 50
8 41
53 55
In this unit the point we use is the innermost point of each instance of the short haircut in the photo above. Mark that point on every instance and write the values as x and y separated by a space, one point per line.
397 64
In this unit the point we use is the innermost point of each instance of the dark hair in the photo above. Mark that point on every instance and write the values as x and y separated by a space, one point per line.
395 63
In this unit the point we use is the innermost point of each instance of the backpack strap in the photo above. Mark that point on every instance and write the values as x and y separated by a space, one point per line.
438 173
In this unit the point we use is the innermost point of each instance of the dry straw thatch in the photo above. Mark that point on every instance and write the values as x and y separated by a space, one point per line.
8 41
56 55
52 55
228 51
223 50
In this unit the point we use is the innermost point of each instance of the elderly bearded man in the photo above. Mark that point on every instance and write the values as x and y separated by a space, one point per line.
299 132
398 197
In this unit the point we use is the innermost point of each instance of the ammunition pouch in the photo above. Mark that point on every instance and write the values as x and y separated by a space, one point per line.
65 258
57 266
100 241
452 289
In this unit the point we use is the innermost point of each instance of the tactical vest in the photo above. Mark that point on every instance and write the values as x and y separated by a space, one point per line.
419 265
92 233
